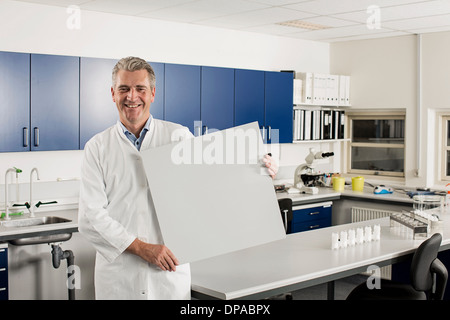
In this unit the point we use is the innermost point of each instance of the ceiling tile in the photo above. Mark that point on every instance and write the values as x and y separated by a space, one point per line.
419 23
408 11
204 9
259 17
131 7
326 7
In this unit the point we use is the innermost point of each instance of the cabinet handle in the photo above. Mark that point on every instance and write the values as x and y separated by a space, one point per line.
36 136
263 132
313 213
2 289
315 226
25 136
2 269
269 136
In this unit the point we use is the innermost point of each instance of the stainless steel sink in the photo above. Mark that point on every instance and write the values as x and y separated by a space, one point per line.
29 222
41 239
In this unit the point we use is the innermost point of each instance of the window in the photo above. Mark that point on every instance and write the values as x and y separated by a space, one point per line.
445 167
377 144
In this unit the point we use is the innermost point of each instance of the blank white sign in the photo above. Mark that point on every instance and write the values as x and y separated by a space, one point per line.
212 195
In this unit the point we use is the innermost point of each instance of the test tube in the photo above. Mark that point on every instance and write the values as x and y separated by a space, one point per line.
351 237
334 241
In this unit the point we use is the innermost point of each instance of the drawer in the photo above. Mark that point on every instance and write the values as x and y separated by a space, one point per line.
311 213
310 225
3 258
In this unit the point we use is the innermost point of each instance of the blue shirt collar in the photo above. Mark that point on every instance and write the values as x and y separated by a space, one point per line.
137 142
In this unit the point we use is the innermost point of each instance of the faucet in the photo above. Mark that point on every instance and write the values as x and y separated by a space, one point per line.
6 192
31 190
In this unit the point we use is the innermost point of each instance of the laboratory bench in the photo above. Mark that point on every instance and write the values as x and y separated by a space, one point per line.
30 265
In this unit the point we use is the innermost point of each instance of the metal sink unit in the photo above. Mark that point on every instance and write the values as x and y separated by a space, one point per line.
28 222
37 221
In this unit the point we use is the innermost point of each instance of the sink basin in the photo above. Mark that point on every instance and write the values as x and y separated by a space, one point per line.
41 239
29 222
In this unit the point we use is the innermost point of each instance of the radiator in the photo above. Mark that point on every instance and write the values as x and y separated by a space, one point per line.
364 214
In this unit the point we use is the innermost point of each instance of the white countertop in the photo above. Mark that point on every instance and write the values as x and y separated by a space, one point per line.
327 192
300 260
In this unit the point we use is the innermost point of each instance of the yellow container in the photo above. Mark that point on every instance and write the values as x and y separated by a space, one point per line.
358 183
338 183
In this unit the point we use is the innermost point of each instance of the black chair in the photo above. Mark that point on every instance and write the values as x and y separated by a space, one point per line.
286 212
427 272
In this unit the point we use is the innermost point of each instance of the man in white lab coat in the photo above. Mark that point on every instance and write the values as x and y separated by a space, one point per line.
116 212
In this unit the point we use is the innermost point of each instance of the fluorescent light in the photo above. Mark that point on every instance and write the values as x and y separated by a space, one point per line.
303 25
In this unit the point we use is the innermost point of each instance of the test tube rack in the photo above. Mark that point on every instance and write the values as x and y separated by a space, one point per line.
412 225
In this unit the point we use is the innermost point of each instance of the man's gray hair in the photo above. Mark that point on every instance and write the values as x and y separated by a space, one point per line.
134 64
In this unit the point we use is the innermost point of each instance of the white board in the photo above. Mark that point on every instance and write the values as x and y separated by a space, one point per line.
212 195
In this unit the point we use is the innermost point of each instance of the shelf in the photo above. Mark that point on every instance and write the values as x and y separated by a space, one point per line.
320 141
301 105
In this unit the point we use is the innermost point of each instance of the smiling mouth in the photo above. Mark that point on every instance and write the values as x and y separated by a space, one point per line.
132 106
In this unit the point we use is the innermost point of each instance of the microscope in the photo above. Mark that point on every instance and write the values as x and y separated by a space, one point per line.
305 177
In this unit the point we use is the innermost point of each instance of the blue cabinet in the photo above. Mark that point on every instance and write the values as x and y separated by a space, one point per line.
266 97
3 272
157 107
97 109
310 217
217 98
15 101
279 106
249 96
182 95
54 102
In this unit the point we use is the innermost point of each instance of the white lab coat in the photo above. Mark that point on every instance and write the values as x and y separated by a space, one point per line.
116 207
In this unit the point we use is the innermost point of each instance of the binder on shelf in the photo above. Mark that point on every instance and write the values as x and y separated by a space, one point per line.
344 90
298 91
307 86
332 90
299 127
308 125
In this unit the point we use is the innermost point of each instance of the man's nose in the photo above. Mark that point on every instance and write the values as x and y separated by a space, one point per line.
132 94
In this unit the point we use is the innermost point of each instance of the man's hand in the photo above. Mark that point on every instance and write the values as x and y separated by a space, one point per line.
271 165
156 254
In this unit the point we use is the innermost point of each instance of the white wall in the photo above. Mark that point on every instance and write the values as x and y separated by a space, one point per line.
384 75
27 27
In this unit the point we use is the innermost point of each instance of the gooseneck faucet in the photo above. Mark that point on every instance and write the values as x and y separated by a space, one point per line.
31 190
6 192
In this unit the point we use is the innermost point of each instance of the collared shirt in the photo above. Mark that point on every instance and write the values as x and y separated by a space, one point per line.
137 142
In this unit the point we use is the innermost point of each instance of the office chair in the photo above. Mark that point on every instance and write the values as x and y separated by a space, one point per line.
425 266
286 212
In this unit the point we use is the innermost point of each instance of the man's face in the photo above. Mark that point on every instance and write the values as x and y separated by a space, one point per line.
133 96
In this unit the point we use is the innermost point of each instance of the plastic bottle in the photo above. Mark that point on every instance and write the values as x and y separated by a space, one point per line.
447 197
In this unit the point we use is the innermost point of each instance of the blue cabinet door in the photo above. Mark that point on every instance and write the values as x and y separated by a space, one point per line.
157 107
15 101
54 102
97 109
249 97
217 98
279 106
182 95
4 273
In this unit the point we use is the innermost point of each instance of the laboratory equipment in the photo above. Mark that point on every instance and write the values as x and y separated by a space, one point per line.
358 183
409 225
31 190
305 174
10 170
382 189
428 205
